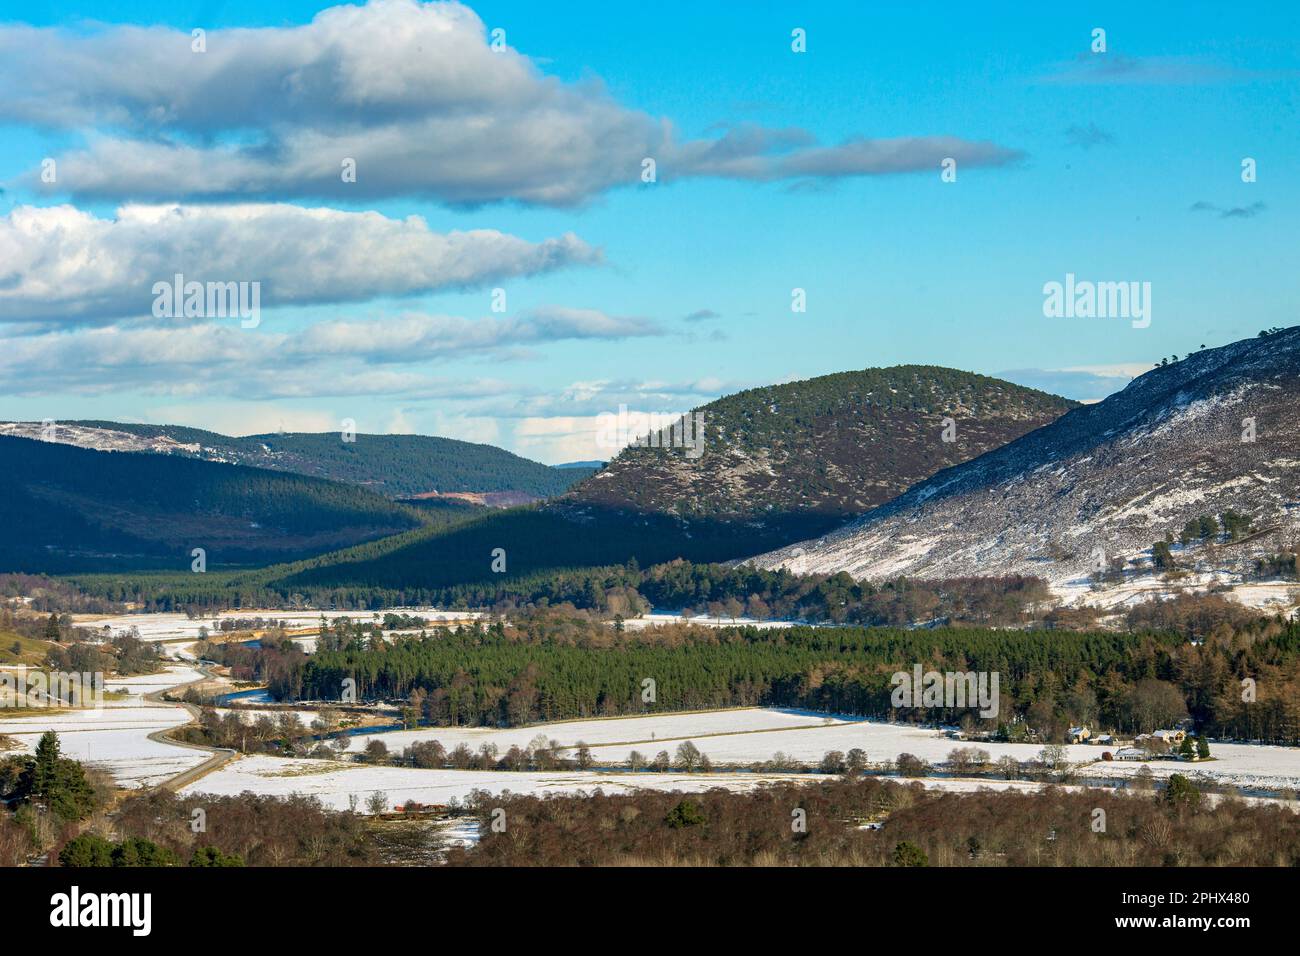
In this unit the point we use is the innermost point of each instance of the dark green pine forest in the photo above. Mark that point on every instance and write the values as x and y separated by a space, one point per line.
70 509
394 465
551 666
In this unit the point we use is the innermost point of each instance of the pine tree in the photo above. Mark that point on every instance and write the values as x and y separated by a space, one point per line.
909 854
686 814
211 856
45 771
138 852
56 782
1181 792
87 850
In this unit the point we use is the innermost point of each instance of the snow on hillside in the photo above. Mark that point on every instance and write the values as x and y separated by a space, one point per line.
96 439
1102 482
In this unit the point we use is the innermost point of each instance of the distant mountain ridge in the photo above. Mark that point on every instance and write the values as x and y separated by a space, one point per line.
393 465
1210 435
64 508
766 477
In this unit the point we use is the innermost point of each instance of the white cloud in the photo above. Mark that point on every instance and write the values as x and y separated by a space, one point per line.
60 265
246 418
410 91
338 358
399 424
559 439
591 397
1082 383
484 431
1114 370
413 337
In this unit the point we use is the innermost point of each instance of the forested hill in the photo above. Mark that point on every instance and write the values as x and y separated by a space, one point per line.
837 445
1113 489
393 465
64 508
779 464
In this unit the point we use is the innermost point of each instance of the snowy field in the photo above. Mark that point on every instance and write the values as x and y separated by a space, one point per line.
337 783
173 627
609 730
115 737
334 782
656 618
749 735
807 744
1244 765
1250 766
249 715
142 684
741 736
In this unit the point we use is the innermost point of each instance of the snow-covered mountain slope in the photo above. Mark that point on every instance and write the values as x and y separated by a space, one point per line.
1104 481
98 439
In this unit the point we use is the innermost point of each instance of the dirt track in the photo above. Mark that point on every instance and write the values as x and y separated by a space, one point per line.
220 755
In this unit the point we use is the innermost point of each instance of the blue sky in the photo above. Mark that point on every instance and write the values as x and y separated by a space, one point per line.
1115 166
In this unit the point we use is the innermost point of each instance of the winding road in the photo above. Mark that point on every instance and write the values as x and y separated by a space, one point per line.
220 755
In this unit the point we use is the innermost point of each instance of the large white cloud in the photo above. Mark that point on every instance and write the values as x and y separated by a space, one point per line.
61 265
417 337
369 64
329 358
412 92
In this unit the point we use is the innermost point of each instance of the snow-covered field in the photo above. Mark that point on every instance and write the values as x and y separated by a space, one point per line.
609 730
809 742
115 737
1244 765
143 684
173 627
741 736
749 735
334 782
337 784
1250 766
1278 596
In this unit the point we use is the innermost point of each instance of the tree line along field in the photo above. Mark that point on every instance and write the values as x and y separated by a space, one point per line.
856 821
849 820
550 666
628 590
613 590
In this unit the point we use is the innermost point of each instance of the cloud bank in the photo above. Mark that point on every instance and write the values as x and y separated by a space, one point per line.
413 93
62 266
